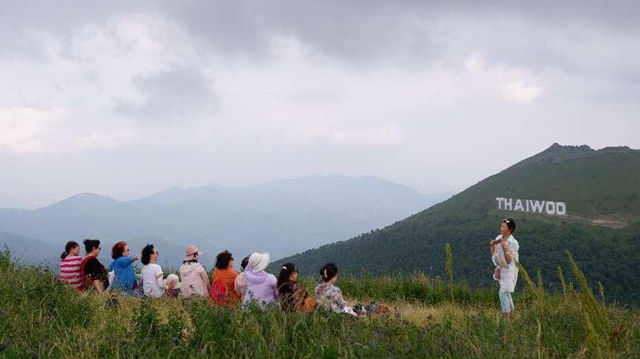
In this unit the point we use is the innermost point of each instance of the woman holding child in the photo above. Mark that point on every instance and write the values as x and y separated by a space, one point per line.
504 254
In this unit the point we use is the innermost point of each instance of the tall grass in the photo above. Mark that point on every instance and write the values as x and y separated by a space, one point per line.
41 317
449 268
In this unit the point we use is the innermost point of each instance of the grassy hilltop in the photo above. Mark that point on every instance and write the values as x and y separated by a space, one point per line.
39 317
602 229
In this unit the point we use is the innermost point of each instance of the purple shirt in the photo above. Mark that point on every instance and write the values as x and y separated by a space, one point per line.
261 288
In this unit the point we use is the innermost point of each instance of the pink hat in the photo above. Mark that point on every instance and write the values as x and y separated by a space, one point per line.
190 252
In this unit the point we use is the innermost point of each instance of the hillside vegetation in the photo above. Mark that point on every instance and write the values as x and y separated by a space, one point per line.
39 317
592 183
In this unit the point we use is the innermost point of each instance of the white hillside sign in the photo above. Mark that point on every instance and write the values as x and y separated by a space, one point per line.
532 206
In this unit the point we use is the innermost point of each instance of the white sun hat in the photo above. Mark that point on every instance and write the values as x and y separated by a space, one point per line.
172 278
259 261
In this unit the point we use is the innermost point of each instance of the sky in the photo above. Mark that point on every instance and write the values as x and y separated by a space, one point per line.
125 99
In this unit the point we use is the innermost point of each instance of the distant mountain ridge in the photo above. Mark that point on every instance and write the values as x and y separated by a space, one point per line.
597 186
558 153
283 216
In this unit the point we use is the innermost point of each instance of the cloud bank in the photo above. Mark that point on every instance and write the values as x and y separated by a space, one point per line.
125 99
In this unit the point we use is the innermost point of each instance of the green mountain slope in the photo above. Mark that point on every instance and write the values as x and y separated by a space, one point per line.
601 229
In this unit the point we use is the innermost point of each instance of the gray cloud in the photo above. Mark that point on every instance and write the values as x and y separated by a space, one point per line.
411 91
174 94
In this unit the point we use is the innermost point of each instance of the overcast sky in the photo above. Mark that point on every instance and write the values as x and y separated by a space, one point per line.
126 99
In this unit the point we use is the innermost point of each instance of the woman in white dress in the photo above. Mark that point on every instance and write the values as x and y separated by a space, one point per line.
504 254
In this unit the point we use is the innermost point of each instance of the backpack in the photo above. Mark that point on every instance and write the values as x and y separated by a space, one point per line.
218 293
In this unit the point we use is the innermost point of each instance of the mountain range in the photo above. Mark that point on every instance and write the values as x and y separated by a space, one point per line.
601 228
283 217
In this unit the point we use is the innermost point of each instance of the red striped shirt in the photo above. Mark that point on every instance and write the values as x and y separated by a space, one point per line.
71 273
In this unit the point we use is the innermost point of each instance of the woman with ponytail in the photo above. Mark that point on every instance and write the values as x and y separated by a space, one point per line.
70 271
330 296
291 295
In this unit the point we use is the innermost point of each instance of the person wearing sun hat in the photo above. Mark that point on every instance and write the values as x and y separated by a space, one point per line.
194 277
261 286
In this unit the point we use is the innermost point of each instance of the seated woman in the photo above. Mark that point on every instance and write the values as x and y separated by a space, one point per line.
172 286
261 286
241 282
223 280
123 268
328 295
292 294
95 274
70 270
195 280
152 276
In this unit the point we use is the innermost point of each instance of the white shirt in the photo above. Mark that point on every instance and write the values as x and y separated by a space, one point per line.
151 284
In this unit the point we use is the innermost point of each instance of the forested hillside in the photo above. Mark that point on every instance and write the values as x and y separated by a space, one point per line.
602 227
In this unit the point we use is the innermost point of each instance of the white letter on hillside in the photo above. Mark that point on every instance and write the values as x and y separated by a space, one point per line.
551 207
518 206
508 204
537 206
499 199
561 209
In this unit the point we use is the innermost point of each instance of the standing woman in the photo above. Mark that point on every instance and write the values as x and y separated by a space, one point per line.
123 267
70 270
152 276
194 276
504 254
94 272
290 293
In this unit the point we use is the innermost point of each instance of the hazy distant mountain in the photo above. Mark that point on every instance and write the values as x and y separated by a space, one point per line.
283 217
601 189
29 249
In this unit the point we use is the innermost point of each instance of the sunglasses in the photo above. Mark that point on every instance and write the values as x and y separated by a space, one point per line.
506 221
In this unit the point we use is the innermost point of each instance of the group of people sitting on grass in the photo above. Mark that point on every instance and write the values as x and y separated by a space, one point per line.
253 286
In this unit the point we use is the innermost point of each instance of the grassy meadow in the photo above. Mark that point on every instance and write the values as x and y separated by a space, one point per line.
40 317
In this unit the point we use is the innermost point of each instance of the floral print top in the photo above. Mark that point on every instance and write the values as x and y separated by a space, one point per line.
330 296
